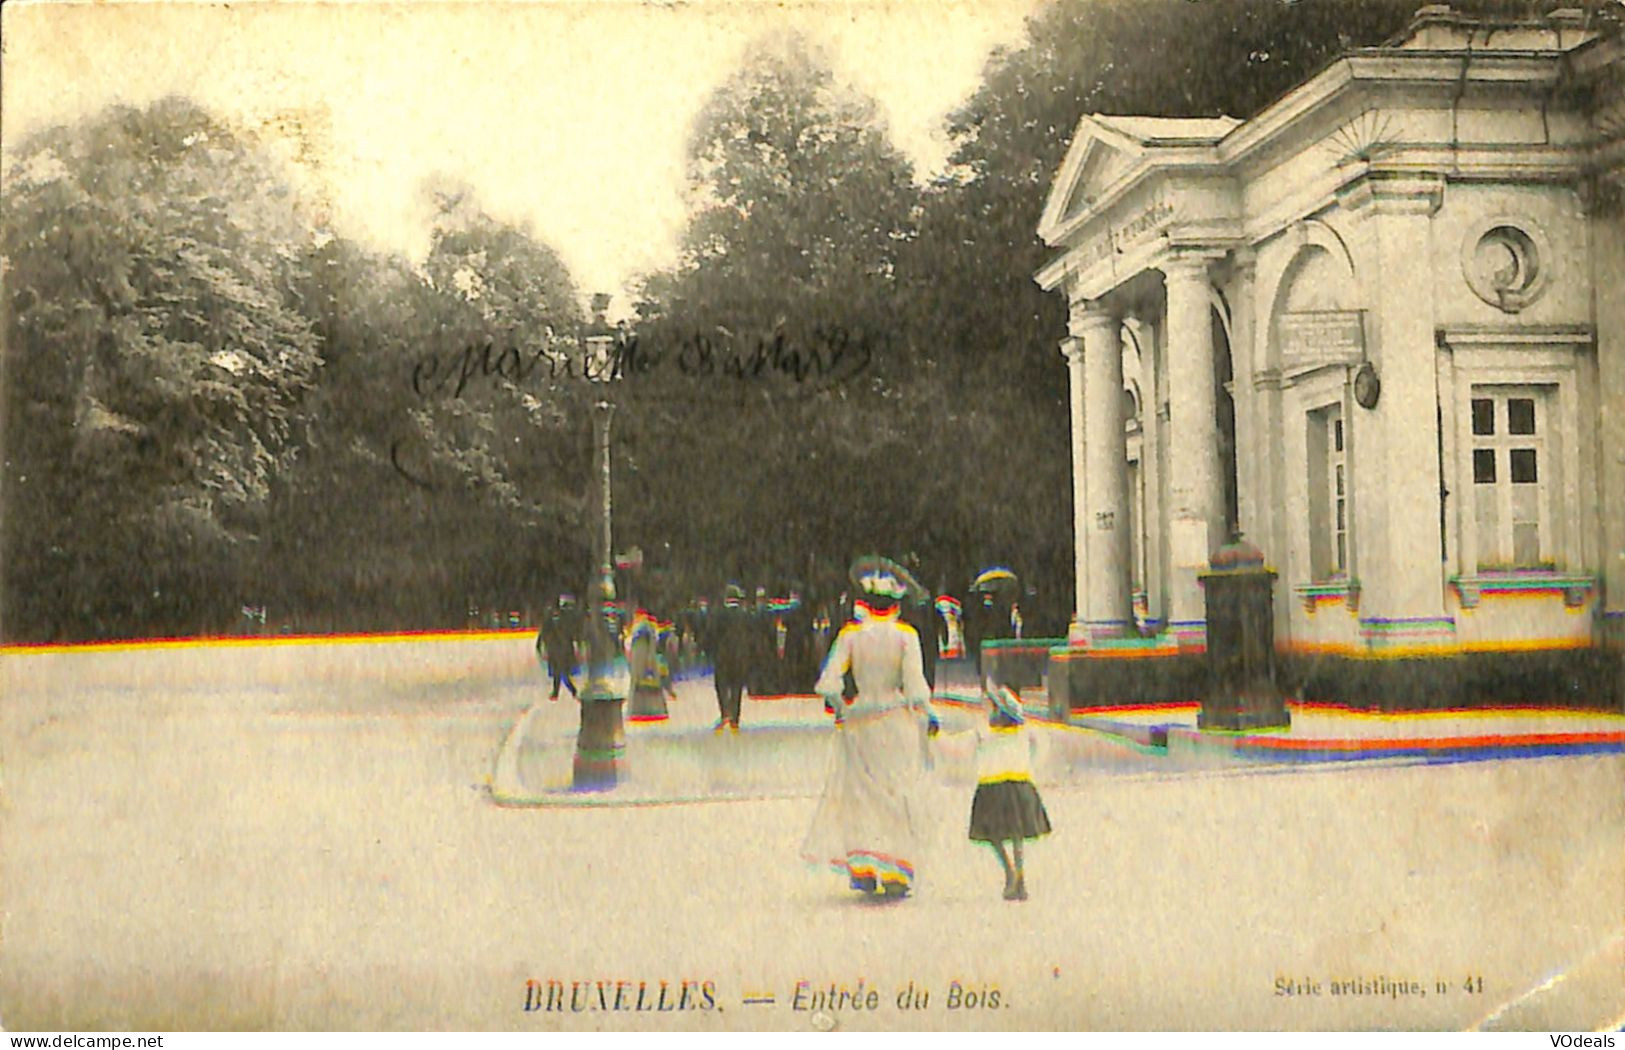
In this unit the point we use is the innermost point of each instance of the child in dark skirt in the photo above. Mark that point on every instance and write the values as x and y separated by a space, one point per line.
1007 806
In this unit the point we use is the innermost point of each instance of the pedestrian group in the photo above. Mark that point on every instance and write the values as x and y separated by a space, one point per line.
876 683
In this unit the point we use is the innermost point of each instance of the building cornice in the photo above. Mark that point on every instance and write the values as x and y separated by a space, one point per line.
1597 56
1449 71
1460 337
1389 191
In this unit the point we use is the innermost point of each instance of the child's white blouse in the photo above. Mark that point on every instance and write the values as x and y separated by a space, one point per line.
1003 753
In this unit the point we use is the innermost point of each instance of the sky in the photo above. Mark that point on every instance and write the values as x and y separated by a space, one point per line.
571 116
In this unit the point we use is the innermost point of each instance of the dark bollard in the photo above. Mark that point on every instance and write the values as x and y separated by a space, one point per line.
1241 691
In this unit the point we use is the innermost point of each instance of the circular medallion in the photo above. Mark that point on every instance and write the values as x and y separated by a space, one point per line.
1367 387
1505 263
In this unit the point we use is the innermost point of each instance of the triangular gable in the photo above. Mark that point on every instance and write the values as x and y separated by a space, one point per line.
1098 158
1106 150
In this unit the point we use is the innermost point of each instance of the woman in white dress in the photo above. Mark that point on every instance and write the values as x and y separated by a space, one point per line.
869 823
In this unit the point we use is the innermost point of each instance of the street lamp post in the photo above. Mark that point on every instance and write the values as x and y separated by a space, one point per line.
601 743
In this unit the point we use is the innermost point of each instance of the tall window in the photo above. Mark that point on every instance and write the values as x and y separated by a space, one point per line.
1510 483
1328 493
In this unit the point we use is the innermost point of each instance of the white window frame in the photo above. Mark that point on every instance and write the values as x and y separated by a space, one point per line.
1559 359
1304 396
1501 444
1330 534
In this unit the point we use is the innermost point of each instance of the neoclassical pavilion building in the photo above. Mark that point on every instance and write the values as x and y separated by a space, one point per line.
1379 327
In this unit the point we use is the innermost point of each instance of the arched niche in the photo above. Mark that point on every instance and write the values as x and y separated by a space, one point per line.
1314 275
1139 350
1133 420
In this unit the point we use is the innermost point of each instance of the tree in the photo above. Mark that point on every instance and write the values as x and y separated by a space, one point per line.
800 199
436 476
507 433
746 467
155 357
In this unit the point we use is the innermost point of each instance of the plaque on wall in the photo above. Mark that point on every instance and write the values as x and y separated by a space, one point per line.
1314 338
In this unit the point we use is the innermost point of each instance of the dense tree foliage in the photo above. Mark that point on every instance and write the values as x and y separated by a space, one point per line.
210 402
156 357
800 200
462 483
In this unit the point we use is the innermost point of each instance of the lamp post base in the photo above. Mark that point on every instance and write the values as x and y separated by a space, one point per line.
600 759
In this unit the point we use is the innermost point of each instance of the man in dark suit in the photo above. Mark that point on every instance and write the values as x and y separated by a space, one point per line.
799 658
731 645
561 629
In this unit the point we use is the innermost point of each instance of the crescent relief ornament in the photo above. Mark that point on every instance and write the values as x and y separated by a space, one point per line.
1506 263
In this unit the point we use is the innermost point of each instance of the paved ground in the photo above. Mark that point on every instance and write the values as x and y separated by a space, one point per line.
304 836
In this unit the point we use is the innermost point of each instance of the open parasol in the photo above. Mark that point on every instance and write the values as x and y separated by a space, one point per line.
995 579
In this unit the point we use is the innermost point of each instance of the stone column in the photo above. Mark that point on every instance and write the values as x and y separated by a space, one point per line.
1396 462
1072 350
1144 331
1607 213
1109 611
1196 502
1252 435
1272 524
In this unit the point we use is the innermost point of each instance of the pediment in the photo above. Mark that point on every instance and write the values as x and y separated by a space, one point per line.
1109 151
1097 160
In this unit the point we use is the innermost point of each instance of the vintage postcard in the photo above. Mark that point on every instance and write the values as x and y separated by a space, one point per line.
888 516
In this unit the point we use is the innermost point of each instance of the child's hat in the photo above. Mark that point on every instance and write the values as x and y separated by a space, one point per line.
1007 702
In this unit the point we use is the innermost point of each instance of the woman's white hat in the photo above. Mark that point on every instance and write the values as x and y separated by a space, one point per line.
883 578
